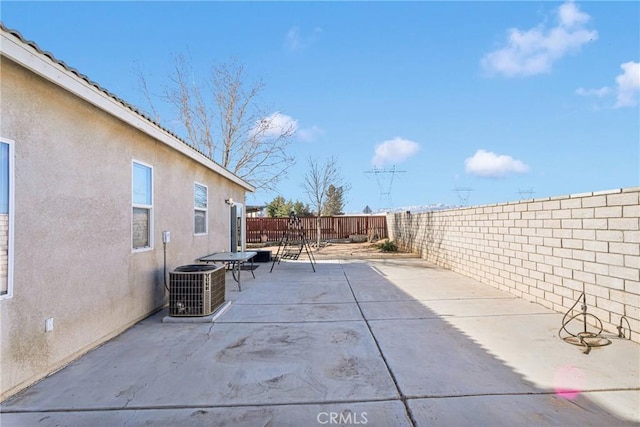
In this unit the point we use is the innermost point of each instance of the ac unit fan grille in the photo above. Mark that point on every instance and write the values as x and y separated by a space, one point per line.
196 293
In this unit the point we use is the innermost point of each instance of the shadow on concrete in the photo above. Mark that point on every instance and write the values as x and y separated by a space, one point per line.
402 343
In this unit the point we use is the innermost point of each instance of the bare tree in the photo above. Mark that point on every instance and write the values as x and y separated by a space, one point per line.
317 181
221 118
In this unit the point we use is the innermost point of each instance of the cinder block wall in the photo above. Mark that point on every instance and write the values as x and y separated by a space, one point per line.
542 250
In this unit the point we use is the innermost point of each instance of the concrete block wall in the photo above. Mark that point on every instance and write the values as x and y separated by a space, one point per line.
544 250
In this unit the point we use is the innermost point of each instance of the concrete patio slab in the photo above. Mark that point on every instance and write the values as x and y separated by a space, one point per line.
321 291
385 342
524 338
454 288
480 307
623 404
565 365
378 290
289 313
444 363
472 307
221 364
390 310
383 413
513 410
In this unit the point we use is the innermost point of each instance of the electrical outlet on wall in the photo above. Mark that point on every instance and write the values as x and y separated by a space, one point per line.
48 324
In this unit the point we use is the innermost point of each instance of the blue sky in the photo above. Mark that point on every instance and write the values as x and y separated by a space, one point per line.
503 98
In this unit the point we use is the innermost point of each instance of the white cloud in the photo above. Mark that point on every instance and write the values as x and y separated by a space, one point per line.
570 15
626 90
309 134
534 51
278 124
294 40
603 91
275 125
490 165
394 150
628 85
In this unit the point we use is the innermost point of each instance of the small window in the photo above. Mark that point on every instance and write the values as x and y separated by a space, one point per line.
142 196
6 217
200 202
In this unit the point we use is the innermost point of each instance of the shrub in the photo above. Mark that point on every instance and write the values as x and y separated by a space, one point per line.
388 246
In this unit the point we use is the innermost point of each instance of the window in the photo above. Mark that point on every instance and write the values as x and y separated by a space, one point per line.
200 200
142 196
6 218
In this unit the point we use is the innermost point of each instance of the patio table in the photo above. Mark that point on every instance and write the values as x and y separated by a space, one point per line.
234 260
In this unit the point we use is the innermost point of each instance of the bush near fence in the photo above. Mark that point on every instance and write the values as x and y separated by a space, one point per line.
332 227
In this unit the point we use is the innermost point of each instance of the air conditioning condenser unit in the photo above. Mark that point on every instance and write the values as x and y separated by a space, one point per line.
196 289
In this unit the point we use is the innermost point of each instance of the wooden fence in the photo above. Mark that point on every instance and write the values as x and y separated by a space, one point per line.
332 227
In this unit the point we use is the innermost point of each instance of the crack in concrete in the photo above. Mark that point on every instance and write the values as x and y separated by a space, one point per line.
134 391
403 398
294 403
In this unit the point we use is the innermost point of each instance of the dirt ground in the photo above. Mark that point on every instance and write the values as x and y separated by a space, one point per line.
342 250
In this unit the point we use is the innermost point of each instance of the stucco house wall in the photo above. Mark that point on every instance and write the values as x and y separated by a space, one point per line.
72 252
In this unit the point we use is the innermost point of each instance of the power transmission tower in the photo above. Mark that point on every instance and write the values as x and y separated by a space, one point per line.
384 186
463 194
525 193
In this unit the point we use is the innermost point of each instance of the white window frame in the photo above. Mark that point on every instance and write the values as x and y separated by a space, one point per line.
199 209
243 227
12 157
241 215
142 206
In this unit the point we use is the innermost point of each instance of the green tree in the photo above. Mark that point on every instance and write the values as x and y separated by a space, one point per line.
367 210
279 207
335 202
301 209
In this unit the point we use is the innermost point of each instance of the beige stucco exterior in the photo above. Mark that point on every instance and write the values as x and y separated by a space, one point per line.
73 259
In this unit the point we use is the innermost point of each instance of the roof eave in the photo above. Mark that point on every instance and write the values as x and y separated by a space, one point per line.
32 58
